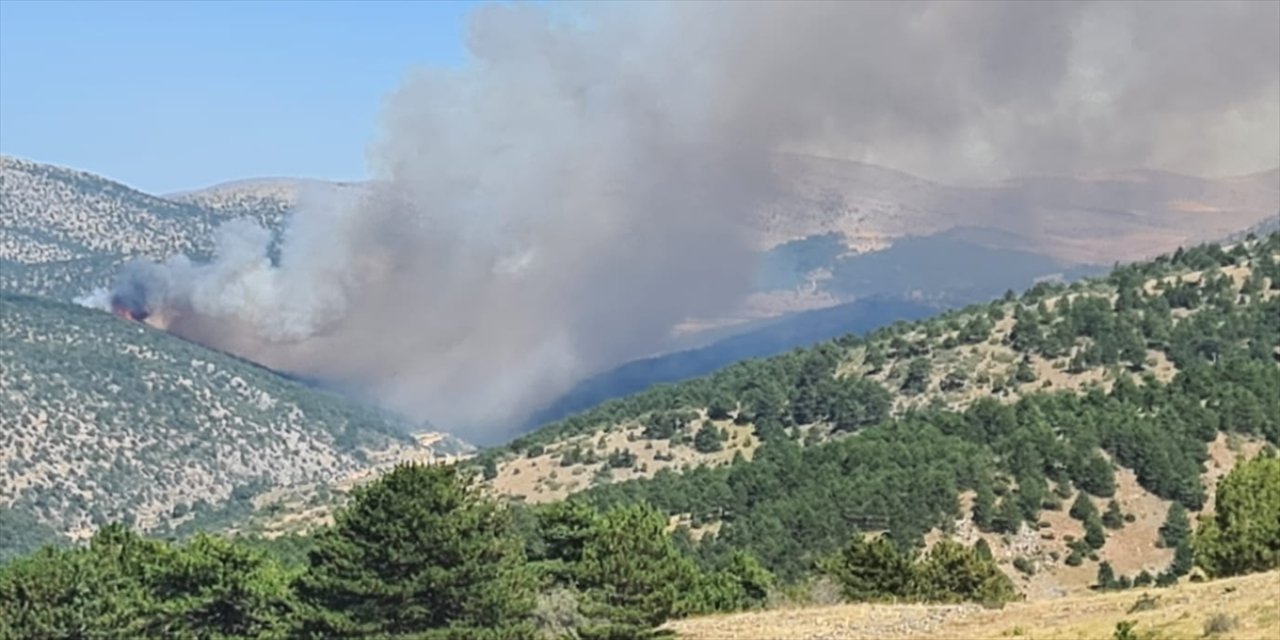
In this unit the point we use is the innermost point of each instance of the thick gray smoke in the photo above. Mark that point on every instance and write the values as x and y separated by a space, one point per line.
584 182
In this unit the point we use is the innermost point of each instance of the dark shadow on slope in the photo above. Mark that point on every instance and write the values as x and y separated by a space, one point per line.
793 331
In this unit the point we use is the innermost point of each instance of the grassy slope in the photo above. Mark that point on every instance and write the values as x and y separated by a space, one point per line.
1180 612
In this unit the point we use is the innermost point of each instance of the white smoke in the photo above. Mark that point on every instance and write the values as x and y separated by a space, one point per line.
580 186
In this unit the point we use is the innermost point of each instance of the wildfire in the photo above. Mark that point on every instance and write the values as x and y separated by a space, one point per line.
123 310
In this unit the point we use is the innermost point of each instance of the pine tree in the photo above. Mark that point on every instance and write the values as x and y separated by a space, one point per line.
563 529
874 359
983 549
1244 534
1082 508
1094 535
1106 576
1112 518
952 573
1094 475
123 585
1183 559
214 588
1008 516
707 439
984 506
1176 528
743 584
871 570
917 378
1024 372
418 550
631 572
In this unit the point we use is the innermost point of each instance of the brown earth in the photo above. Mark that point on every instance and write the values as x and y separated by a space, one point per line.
1247 608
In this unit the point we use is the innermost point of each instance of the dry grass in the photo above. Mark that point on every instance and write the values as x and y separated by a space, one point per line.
1184 611
542 479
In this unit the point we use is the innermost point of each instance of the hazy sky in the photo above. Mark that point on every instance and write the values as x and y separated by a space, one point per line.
166 96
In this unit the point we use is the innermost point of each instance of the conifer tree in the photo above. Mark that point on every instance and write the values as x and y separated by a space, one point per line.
1244 534
1094 535
1112 518
631 573
1082 508
872 570
952 572
1176 528
416 552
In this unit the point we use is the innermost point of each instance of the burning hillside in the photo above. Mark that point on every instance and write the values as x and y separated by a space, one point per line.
561 202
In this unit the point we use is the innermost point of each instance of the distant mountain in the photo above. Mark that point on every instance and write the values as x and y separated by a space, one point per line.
104 419
267 199
63 232
1101 219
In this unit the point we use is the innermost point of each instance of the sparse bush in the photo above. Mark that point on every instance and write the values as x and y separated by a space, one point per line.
1075 558
1024 565
1220 623
1124 631
1145 602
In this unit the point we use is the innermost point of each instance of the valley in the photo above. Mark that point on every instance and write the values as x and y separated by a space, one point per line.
915 418
633 320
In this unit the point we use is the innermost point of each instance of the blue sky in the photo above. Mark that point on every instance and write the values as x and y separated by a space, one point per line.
166 96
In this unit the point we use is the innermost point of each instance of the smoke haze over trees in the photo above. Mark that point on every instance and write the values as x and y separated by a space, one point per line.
556 205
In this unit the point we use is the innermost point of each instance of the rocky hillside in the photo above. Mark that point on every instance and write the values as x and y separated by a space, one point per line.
103 419
64 232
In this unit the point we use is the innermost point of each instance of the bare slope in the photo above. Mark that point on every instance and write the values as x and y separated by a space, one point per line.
1245 608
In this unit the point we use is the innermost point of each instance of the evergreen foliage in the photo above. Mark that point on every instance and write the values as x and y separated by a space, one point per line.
631 572
123 585
1244 534
1112 518
418 551
870 570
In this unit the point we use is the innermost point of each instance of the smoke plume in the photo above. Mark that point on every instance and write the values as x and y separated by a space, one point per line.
584 182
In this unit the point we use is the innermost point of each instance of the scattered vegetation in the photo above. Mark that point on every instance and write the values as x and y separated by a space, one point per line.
424 553
105 420
1220 623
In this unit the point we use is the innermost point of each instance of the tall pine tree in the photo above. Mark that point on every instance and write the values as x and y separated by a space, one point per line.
416 552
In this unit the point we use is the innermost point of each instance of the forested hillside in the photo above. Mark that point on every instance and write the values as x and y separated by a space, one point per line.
1020 406
103 419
